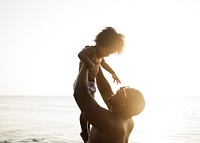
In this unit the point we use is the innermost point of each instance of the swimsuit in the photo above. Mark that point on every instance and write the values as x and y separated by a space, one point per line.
91 87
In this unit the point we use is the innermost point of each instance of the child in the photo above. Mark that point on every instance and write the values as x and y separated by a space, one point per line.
108 41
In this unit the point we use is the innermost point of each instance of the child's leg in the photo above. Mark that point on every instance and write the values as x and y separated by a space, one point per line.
84 128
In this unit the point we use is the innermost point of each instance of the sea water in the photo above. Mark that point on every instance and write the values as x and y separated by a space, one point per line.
55 119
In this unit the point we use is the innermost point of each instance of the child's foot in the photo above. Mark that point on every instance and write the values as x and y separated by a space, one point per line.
84 136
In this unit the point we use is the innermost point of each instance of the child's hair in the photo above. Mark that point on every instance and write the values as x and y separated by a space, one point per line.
109 37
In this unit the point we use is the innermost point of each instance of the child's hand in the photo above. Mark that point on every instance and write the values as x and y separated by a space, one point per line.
114 76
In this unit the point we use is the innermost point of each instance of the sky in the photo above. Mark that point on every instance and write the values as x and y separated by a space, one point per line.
40 40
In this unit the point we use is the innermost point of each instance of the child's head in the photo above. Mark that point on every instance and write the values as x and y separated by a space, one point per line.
109 41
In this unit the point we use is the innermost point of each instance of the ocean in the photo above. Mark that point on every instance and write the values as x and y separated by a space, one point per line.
55 119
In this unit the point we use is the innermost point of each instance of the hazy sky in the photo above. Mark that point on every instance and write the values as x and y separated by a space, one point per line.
40 40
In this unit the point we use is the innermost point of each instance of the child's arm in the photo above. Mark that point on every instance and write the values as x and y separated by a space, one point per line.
110 70
84 56
107 67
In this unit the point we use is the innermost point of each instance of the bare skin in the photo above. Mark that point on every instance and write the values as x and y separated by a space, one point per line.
108 126
93 58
